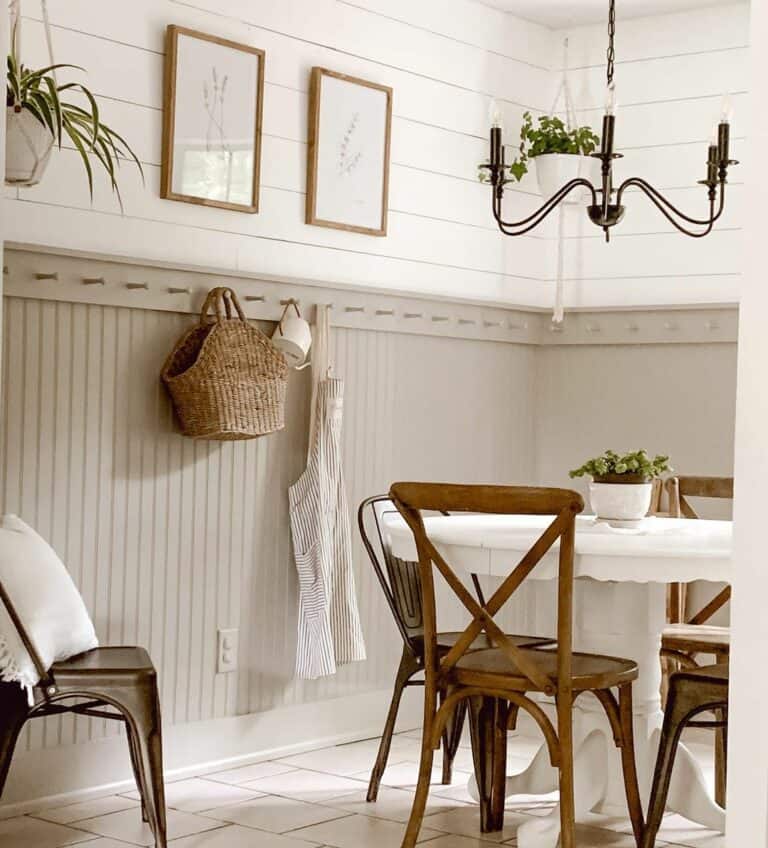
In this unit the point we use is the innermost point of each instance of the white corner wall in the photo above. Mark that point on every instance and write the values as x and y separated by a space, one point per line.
748 736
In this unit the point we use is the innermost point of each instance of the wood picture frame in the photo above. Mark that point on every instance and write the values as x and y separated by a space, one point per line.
320 180
246 168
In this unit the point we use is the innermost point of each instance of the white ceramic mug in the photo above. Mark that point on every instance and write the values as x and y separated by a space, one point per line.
293 337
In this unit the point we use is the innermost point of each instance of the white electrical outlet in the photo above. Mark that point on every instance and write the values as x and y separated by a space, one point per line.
227 655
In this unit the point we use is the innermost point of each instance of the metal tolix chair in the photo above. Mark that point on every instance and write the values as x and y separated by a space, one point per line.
119 684
401 585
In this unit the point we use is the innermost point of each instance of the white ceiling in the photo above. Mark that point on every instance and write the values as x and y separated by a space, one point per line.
564 13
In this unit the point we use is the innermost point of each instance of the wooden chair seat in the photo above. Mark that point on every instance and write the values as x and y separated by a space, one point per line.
696 638
496 670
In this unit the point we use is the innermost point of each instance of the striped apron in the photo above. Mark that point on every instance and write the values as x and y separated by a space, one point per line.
329 623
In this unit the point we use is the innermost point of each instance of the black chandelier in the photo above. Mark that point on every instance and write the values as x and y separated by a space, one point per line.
606 209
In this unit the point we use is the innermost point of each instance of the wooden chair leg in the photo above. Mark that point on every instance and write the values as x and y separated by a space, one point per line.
425 776
721 757
408 666
674 716
451 739
489 720
13 713
721 748
628 763
567 801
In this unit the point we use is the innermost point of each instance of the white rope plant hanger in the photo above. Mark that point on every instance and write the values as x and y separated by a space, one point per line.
564 91
22 126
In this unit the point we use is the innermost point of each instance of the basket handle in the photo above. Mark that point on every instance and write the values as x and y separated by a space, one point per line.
218 297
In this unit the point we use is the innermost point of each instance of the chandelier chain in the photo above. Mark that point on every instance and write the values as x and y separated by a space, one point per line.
611 41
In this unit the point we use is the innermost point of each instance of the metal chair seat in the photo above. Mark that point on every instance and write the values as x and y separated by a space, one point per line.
105 662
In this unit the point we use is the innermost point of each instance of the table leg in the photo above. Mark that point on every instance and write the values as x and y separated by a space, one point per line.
488 726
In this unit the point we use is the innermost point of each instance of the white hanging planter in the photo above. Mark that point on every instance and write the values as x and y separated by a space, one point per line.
28 146
554 170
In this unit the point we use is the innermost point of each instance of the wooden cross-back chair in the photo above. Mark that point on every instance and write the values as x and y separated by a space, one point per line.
496 680
119 684
401 586
679 489
688 635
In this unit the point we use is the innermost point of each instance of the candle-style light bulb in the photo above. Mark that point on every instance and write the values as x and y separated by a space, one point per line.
494 114
611 103
726 110
713 135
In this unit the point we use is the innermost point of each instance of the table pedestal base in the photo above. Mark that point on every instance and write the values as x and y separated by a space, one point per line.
631 624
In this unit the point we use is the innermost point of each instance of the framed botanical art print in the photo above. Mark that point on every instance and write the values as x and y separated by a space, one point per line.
350 124
214 93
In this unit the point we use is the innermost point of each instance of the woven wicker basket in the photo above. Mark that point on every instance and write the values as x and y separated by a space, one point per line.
226 378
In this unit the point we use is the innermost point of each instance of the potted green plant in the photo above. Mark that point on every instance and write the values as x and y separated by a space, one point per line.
622 485
561 153
41 115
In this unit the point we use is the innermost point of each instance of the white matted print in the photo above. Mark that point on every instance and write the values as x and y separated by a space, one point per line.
348 166
212 122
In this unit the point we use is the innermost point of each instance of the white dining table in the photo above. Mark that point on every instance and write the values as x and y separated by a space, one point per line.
620 610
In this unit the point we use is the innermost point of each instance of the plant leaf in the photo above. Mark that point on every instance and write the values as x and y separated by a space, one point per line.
39 99
94 110
55 103
74 134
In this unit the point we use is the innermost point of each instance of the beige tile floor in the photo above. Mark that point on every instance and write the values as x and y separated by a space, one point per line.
318 799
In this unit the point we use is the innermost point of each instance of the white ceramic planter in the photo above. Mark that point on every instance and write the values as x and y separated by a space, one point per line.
620 501
28 146
554 170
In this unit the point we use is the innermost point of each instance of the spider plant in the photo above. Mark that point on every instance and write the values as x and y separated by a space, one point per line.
38 92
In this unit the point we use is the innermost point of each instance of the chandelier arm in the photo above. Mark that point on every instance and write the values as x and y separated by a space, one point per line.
511 228
653 192
709 224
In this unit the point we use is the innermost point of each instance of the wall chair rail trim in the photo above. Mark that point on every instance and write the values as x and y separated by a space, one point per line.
46 274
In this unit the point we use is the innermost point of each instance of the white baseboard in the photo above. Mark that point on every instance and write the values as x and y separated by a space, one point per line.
74 773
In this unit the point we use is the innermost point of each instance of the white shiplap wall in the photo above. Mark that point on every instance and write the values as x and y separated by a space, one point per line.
671 74
443 59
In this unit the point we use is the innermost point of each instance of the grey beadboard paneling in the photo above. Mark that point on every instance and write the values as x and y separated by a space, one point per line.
169 539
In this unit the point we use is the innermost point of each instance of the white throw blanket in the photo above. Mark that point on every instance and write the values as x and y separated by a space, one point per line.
46 601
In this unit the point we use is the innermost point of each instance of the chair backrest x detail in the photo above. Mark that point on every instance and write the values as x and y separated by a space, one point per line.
678 490
413 499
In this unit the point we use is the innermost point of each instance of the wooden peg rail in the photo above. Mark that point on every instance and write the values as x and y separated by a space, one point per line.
57 276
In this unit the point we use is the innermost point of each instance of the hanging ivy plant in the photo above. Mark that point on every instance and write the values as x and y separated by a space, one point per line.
550 135
37 92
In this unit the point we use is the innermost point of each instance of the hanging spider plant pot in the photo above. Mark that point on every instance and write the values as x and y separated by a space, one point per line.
41 115
28 147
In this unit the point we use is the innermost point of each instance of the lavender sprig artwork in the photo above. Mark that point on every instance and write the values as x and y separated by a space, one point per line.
213 102
216 134
349 158
349 153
